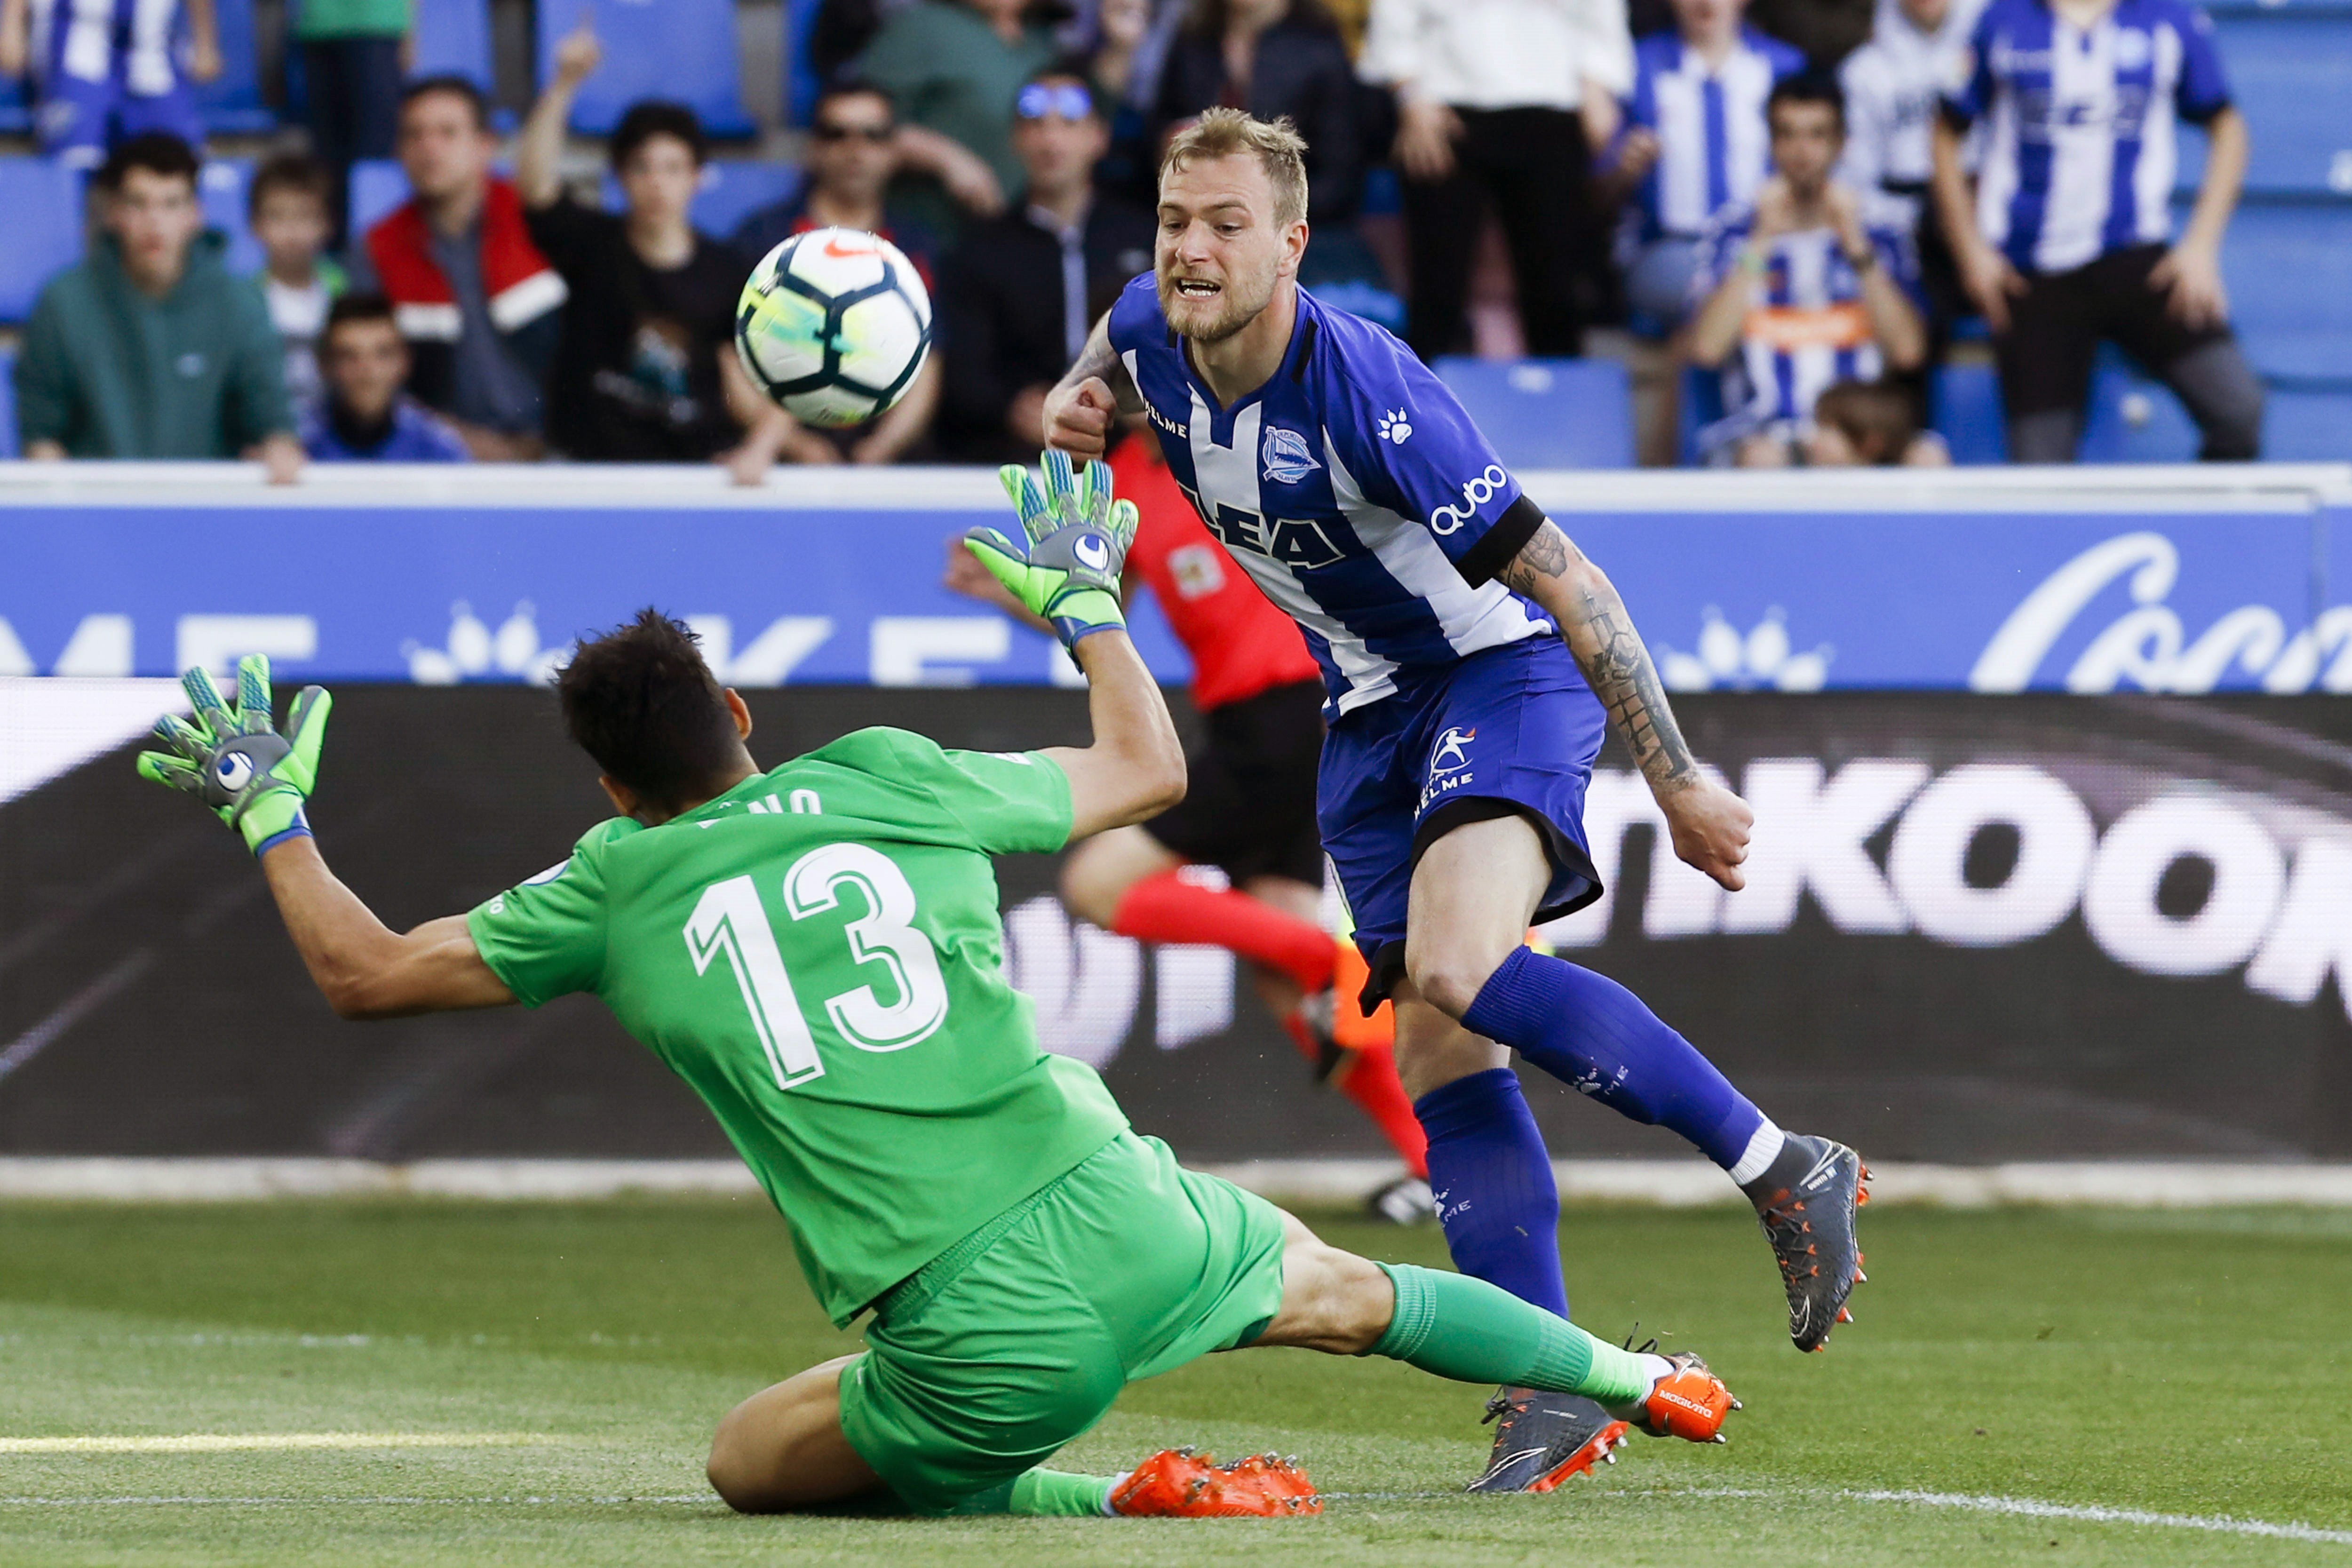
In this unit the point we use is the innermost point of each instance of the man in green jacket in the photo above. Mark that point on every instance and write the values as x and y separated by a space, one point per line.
147 347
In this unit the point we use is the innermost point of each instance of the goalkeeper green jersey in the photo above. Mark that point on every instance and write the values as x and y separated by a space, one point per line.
817 953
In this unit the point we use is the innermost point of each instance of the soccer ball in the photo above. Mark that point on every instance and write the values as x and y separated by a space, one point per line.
834 325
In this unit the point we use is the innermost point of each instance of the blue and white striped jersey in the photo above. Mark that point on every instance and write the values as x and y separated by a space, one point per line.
1808 331
2079 153
1713 145
1352 487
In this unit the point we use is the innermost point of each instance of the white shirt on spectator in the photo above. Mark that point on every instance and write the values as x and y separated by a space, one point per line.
1499 54
1892 86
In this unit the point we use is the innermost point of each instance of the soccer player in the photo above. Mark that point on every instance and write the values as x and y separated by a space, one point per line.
1472 657
1249 809
815 950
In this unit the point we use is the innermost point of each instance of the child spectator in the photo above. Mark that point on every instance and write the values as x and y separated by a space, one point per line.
287 205
852 152
1695 140
1893 84
1871 424
1796 293
146 347
2066 245
646 371
104 70
350 72
365 414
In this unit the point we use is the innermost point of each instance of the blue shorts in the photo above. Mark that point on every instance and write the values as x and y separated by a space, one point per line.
1510 731
80 120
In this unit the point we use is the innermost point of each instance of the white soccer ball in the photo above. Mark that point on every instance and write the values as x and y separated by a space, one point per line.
833 324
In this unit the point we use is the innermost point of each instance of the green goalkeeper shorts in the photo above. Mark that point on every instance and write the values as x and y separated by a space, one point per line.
1018 1338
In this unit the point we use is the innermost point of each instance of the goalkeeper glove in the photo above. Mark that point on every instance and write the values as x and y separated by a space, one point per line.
254 777
1075 540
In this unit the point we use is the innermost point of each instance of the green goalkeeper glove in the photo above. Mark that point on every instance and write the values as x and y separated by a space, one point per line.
1076 538
256 778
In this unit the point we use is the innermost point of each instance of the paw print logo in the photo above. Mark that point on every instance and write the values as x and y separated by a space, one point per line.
1726 659
474 651
1395 426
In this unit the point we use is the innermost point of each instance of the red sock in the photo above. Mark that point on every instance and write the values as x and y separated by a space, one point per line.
1166 907
1370 1079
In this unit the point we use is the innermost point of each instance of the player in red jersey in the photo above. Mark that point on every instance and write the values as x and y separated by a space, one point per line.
1250 810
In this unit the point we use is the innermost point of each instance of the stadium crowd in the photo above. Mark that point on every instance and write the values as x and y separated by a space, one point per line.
1815 217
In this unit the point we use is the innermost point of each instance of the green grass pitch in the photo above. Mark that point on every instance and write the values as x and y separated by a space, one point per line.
529 1384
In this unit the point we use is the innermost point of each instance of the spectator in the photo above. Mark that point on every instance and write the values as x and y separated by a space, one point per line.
953 67
103 72
146 347
1893 85
351 65
1871 424
1501 101
2067 242
1022 292
644 369
473 296
1695 140
1273 57
853 153
289 205
366 415
1798 293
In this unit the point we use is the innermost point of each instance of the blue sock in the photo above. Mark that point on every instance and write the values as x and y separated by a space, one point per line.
1593 1034
1495 1194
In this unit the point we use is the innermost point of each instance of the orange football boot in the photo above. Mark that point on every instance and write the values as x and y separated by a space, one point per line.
1689 1403
1179 1483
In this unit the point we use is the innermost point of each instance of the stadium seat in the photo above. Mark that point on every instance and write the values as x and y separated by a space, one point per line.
377 187
2134 418
232 102
2287 72
682 50
2308 426
801 83
2320 358
9 448
15 114
1966 413
222 189
1548 413
43 201
2289 267
452 38
731 190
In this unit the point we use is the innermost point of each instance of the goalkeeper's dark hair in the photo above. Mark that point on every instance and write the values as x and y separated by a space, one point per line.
640 700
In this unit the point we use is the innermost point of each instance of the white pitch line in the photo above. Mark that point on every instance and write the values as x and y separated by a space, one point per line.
2219 1524
239 1442
709 1498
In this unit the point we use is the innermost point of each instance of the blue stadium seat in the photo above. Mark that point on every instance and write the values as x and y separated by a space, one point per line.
452 38
377 187
2289 267
1966 413
43 202
1548 413
223 187
2288 71
682 50
731 190
2312 427
2134 419
9 448
232 102
2321 357
801 83
15 114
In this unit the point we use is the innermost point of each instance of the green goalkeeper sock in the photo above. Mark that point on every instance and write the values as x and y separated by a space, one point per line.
1061 1495
1464 1329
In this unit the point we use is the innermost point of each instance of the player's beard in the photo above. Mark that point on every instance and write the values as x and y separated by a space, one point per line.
1234 307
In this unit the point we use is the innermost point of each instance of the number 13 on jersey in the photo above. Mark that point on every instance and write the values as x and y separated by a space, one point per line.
729 918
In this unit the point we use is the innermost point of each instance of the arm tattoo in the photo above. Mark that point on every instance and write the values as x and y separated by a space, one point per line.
1616 665
1099 359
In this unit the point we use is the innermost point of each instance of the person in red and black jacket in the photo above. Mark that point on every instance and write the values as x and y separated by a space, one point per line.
478 303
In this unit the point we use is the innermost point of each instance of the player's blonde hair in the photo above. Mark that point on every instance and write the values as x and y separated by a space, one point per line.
1224 132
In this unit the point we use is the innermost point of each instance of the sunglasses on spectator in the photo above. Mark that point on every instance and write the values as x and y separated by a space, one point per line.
877 134
1040 98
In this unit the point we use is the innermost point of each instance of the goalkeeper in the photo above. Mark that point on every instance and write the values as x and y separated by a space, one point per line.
815 950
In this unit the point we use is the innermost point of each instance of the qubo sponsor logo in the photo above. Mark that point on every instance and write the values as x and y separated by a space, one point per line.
2147 646
1476 491
2193 881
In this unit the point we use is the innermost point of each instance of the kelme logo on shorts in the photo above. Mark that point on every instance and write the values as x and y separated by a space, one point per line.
1475 492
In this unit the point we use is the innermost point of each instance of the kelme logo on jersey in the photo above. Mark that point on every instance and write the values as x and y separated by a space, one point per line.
1475 492
1288 458
1395 427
